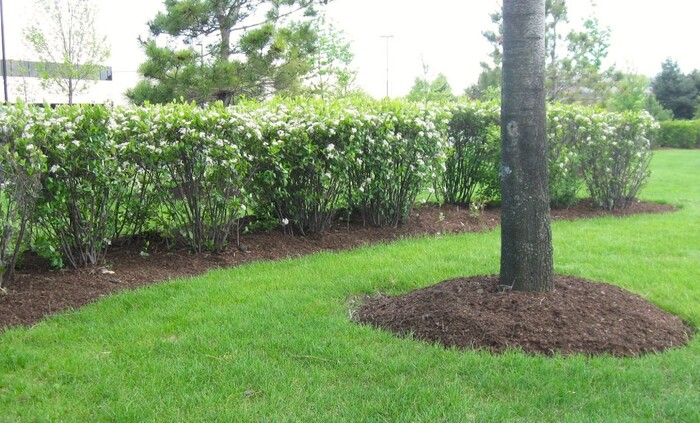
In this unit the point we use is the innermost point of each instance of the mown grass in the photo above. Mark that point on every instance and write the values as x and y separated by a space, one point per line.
272 341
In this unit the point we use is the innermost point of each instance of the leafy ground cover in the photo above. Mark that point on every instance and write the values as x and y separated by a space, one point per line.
273 340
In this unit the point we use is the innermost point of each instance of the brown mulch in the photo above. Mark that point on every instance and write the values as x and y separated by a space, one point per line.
578 317
40 291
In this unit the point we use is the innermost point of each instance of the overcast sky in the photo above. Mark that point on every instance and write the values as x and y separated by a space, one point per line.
443 34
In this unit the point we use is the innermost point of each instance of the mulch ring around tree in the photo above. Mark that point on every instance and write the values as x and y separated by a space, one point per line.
578 317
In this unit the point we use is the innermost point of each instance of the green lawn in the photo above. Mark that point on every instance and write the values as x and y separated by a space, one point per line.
272 341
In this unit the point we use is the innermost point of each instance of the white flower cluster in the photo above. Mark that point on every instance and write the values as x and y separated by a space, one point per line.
611 151
305 157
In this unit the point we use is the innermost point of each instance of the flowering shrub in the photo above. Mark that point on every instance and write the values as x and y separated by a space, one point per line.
395 149
98 173
82 184
139 205
615 157
374 157
301 163
22 164
565 126
194 160
470 173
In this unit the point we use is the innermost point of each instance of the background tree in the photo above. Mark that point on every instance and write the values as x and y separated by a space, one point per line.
574 59
424 89
24 87
675 90
170 75
526 238
632 92
584 80
495 38
249 48
488 83
695 74
490 76
556 13
64 37
331 72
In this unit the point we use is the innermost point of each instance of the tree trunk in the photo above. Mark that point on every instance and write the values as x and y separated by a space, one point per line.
553 63
70 91
226 17
526 237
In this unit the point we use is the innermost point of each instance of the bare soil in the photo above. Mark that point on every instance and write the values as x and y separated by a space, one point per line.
40 291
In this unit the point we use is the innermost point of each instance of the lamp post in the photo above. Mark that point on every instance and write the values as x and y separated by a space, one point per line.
387 61
201 54
4 58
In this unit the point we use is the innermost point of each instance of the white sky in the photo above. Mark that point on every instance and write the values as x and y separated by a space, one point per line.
444 34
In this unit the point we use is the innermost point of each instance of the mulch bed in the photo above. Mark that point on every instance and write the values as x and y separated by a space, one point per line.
579 316
40 291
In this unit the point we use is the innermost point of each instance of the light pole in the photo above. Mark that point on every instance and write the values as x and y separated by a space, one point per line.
4 58
201 54
387 61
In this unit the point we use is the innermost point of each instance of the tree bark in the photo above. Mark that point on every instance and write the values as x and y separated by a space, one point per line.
526 238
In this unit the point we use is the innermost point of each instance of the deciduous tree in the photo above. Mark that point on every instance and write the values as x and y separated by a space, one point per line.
489 82
631 92
331 72
65 39
583 78
426 90
556 13
526 239
574 59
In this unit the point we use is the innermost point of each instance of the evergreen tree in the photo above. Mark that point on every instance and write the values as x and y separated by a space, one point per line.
695 74
675 90
248 48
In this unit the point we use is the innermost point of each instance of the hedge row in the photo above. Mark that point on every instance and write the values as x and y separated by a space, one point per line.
679 134
82 177
609 153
